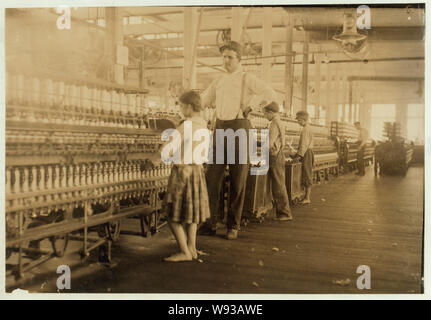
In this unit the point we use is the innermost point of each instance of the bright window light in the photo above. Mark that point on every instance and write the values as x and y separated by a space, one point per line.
380 113
416 123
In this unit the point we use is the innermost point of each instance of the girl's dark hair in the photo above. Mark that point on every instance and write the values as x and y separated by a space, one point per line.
192 98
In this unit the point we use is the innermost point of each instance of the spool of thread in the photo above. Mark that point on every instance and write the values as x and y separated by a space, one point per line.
42 173
82 175
109 172
49 178
88 175
33 179
125 169
63 177
136 170
100 173
56 177
16 187
95 173
75 175
105 172
70 176
120 172
8 181
26 181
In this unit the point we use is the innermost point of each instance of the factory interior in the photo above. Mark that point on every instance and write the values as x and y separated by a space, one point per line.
89 91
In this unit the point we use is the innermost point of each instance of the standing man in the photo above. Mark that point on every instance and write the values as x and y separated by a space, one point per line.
277 162
363 138
231 94
305 154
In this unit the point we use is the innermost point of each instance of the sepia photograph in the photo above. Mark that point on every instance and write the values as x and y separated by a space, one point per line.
247 149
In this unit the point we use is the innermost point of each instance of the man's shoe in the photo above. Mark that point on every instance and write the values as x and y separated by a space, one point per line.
206 231
232 234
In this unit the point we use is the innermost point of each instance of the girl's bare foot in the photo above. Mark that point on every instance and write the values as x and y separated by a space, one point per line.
193 253
178 257
305 201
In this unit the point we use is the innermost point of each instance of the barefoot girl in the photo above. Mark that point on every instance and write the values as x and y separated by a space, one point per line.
187 197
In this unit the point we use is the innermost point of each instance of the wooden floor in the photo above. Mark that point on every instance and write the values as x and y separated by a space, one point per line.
353 221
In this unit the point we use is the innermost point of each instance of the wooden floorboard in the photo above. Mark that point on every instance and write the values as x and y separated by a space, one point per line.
352 221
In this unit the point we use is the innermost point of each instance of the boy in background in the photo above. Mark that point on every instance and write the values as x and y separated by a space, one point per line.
277 162
305 153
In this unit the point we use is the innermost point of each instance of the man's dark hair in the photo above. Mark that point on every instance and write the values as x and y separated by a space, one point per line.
234 46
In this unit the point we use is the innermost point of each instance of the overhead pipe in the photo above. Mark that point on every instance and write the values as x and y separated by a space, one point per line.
383 78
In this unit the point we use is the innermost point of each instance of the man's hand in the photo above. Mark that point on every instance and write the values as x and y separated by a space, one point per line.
246 112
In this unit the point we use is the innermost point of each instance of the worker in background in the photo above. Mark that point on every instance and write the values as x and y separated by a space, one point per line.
305 153
277 162
231 94
363 138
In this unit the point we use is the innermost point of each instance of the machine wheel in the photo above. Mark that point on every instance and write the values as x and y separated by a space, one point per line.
33 244
156 218
110 229
114 228
145 225
59 244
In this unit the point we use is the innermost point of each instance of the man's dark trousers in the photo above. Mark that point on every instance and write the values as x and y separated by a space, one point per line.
238 177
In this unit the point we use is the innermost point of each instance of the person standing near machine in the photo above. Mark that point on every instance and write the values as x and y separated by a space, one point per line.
231 94
363 138
186 198
305 154
277 162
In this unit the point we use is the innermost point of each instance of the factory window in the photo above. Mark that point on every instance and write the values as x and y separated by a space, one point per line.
340 113
346 112
347 108
415 123
357 106
311 109
322 118
380 113
311 112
